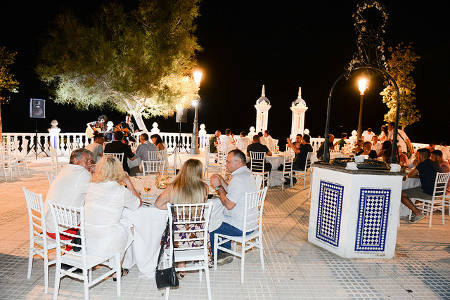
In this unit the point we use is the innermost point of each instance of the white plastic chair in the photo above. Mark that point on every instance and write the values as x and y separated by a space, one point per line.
184 216
118 155
9 162
257 160
154 155
437 201
253 213
152 166
306 172
39 242
50 176
287 173
66 217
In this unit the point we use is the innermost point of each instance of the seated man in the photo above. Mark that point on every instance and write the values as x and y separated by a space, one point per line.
268 141
301 151
367 150
376 145
119 146
426 169
142 151
227 141
321 149
256 146
97 146
70 185
444 167
232 196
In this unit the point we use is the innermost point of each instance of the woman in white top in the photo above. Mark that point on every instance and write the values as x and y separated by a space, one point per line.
106 233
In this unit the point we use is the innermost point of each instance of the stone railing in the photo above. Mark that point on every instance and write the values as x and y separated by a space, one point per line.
23 143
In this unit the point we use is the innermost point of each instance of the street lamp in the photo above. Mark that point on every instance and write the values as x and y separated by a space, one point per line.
194 146
363 83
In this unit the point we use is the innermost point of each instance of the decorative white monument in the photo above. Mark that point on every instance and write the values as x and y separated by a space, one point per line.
54 135
155 129
203 136
298 115
251 133
262 112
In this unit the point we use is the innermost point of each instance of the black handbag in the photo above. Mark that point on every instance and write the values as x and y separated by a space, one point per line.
165 277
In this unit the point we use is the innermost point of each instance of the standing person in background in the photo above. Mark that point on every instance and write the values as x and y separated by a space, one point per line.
97 146
383 134
214 141
119 146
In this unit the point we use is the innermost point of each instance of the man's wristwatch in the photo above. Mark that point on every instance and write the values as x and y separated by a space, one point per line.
217 188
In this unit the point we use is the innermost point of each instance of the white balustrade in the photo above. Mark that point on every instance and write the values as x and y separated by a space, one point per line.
23 143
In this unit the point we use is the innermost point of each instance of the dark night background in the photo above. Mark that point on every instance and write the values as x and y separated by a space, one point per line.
282 44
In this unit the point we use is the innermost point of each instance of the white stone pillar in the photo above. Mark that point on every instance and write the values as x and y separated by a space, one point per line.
262 112
298 109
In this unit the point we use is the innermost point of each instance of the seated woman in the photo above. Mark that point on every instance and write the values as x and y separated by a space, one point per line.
157 140
188 187
106 233
385 153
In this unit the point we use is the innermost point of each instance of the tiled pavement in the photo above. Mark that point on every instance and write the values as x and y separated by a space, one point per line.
294 269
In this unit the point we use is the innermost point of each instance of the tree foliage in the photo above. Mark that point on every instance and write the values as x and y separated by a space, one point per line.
400 66
7 81
137 61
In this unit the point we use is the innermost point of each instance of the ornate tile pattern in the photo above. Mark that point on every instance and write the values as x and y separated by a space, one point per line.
372 219
329 212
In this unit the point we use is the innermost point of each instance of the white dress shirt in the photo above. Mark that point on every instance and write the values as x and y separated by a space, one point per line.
68 188
242 143
242 182
227 143
368 136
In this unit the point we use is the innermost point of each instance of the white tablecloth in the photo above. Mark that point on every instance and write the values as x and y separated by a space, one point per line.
149 225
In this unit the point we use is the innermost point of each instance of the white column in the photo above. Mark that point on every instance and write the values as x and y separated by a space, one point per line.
298 109
262 112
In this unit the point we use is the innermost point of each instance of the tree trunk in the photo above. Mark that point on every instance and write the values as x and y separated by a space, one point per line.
140 121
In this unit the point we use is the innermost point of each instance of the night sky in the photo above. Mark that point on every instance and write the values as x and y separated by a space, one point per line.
282 44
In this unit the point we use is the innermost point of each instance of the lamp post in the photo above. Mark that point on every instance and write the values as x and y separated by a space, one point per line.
362 85
194 145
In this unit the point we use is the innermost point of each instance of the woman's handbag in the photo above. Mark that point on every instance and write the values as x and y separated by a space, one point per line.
165 277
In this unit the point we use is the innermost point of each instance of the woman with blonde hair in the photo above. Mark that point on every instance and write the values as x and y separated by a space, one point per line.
188 187
106 232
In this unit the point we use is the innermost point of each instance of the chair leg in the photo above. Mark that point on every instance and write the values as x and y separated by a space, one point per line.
118 272
261 254
216 240
30 260
57 279
45 271
443 209
167 293
242 262
431 214
86 284
208 286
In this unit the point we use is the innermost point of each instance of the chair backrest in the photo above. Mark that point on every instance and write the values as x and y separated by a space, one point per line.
118 155
152 166
64 218
254 204
308 160
257 160
440 185
50 176
36 215
288 162
154 155
189 223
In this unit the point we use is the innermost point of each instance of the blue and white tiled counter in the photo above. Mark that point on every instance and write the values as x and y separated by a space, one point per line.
354 214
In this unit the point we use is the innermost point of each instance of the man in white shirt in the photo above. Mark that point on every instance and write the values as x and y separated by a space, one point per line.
232 196
402 138
368 135
227 141
70 185
268 141
242 142
376 145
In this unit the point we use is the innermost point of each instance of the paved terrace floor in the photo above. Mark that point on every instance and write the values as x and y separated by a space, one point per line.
295 269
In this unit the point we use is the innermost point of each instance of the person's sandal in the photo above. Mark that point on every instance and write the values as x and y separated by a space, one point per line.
124 273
